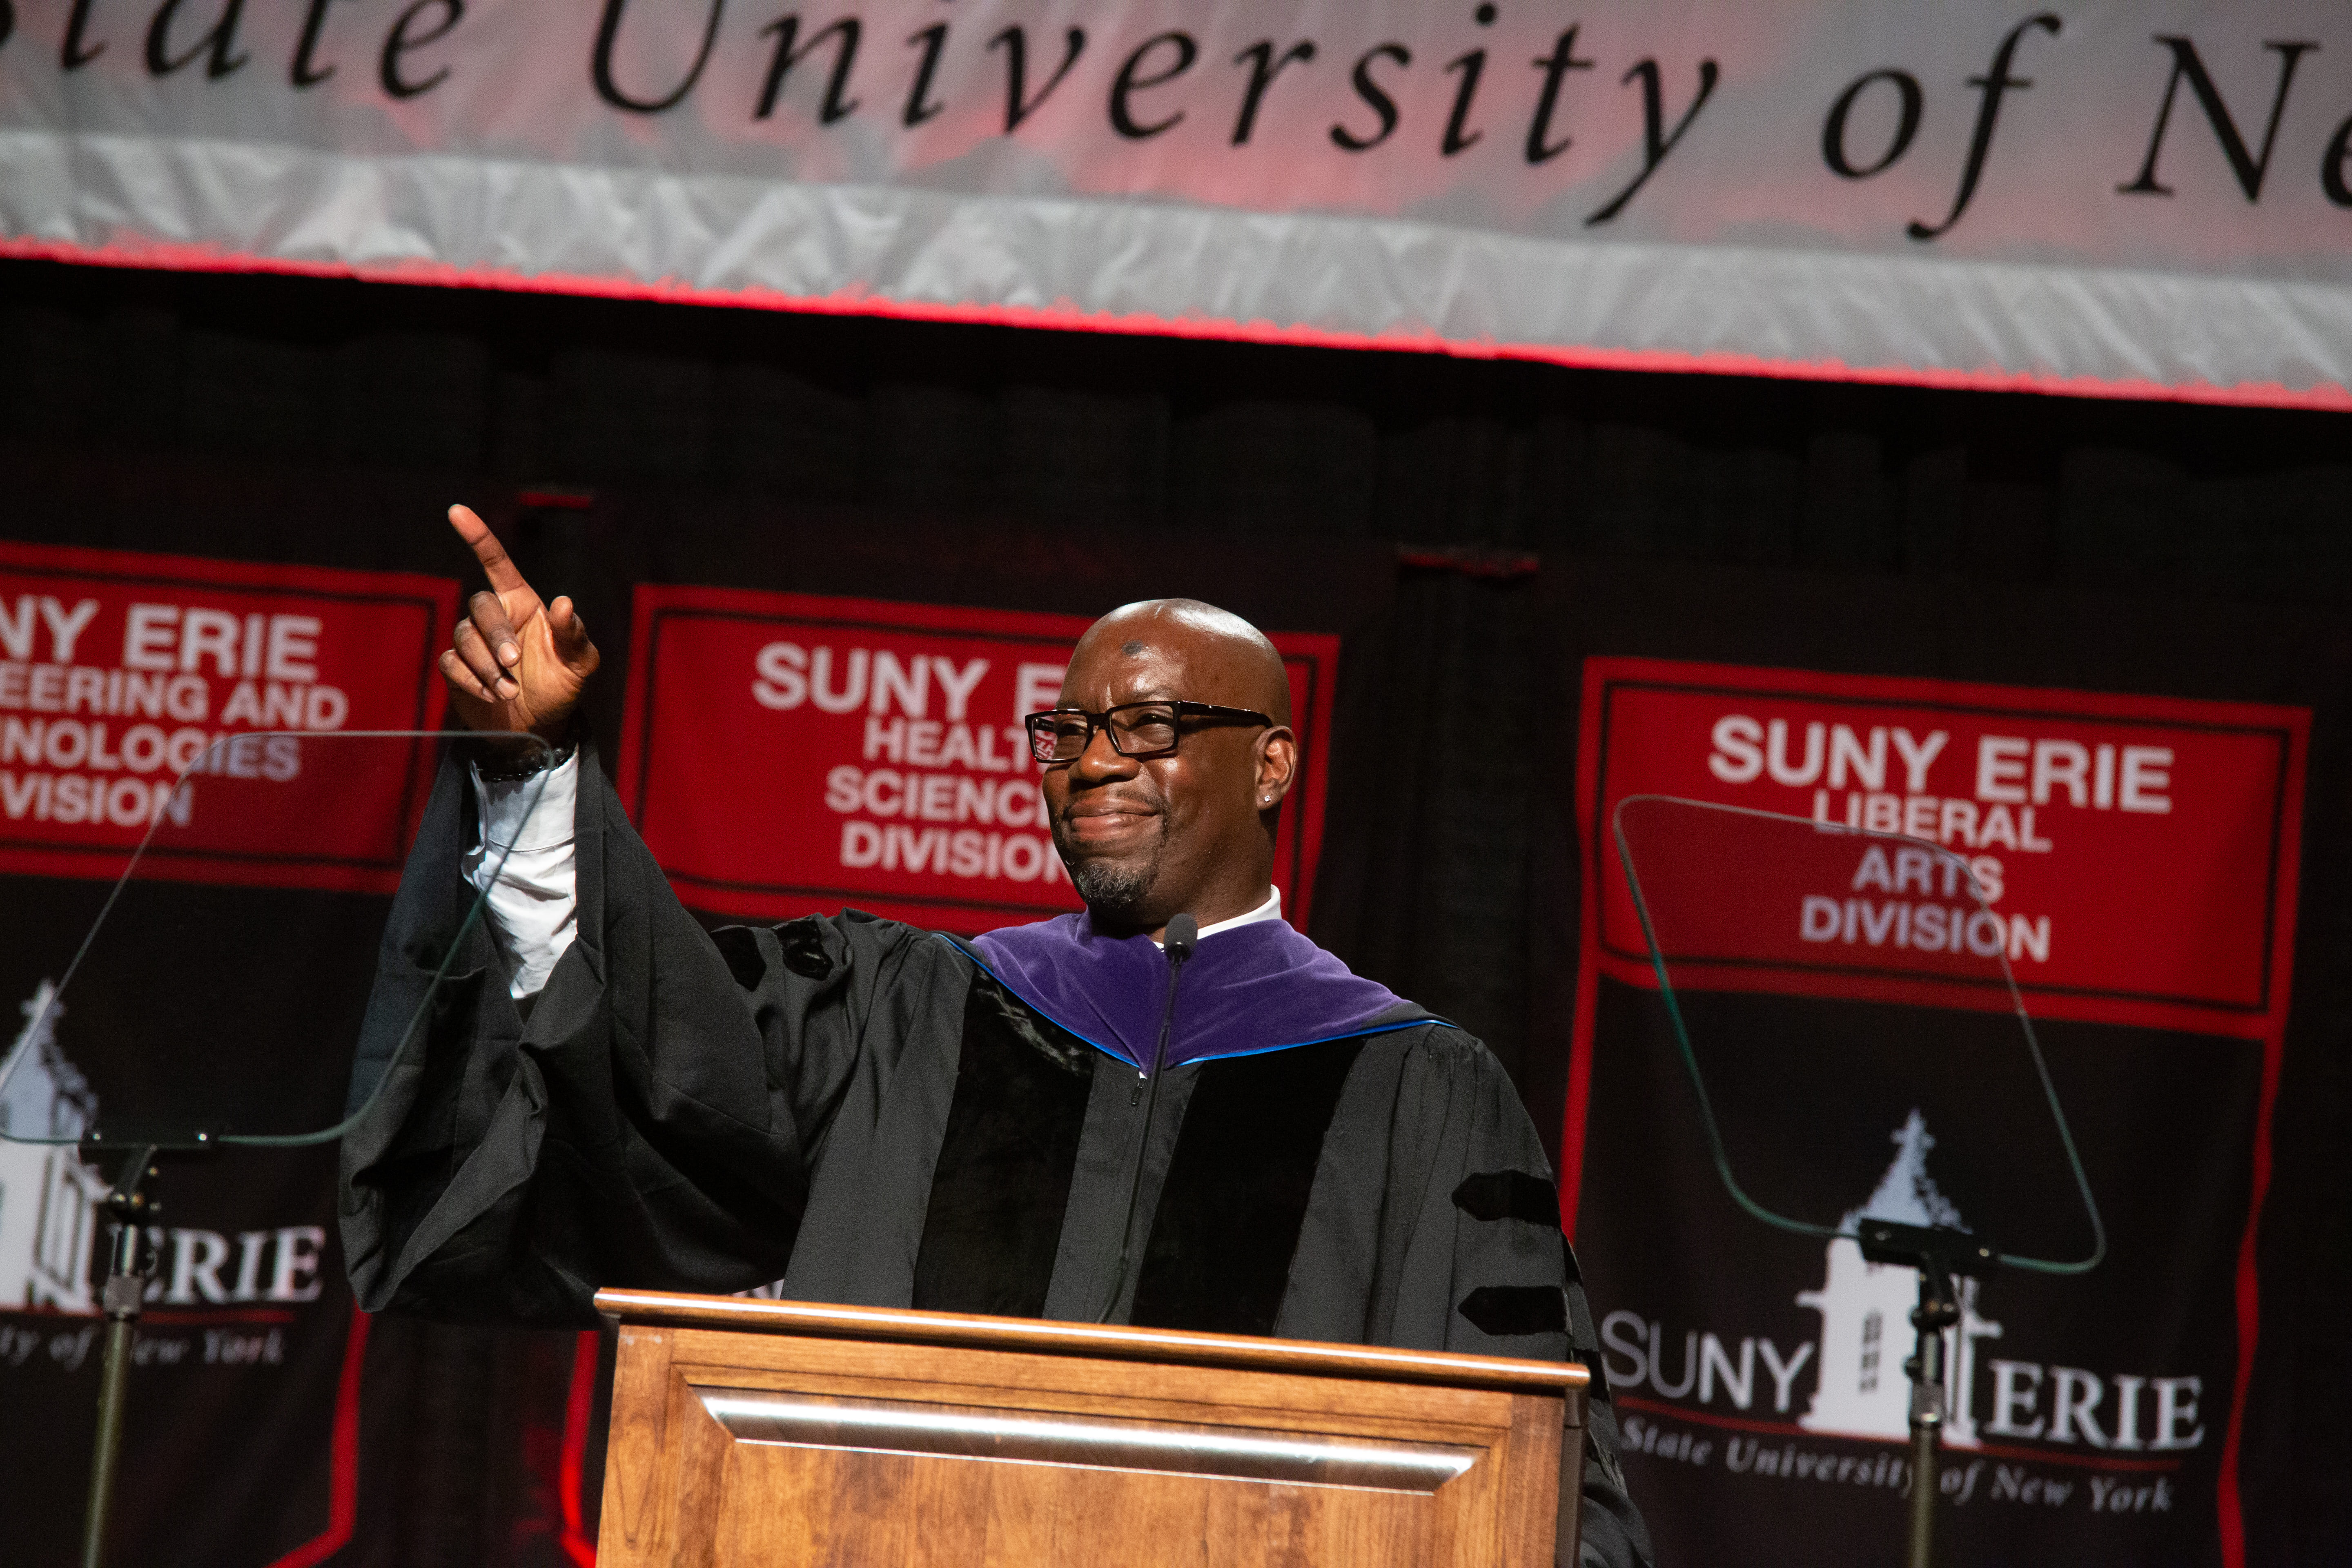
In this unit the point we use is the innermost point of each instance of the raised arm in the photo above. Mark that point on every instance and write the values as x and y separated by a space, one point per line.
518 665
644 1124
646 1119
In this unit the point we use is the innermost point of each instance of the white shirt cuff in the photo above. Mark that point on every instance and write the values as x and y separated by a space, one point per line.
524 864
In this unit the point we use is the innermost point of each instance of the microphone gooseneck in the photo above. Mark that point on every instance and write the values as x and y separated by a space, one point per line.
1180 936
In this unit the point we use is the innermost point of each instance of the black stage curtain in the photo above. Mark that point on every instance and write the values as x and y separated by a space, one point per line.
1439 513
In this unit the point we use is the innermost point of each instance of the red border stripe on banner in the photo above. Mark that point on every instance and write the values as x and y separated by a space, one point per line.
344 1469
168 256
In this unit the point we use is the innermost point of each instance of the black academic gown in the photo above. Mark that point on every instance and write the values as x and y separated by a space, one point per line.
854 1110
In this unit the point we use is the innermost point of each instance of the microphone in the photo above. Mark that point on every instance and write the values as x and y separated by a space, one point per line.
1183 933
1178 937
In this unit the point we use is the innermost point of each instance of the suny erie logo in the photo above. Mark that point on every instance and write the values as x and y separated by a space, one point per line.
50 1203
1861 1389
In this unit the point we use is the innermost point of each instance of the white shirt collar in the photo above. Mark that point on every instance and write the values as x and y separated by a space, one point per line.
1269 910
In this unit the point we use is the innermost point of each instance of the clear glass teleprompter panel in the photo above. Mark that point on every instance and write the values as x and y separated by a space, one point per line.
1844 1004
206 985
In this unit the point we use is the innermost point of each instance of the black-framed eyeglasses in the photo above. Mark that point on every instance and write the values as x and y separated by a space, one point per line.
1136 728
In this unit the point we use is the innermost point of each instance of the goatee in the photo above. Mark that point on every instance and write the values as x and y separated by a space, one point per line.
1114 893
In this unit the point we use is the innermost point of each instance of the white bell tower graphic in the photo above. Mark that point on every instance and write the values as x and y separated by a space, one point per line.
50 1201
1866 1308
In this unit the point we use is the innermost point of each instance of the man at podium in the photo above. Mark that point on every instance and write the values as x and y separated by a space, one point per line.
1173 1110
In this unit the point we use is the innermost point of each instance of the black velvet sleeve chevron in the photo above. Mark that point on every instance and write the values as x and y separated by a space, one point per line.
1503 1309
1525 1207
1508 1195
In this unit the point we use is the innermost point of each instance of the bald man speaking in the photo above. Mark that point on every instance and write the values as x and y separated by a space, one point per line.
1173 1110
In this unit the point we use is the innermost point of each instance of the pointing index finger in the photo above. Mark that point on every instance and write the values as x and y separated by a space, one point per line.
496 563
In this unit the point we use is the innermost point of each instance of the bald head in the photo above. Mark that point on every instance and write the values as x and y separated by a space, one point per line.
1146 839
1218 649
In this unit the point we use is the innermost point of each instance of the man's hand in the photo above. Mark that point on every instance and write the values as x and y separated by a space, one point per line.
516 664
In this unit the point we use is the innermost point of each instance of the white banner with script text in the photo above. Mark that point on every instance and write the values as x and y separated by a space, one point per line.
2149 199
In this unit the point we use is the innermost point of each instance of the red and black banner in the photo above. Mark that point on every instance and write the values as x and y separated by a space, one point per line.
117 671
786 754
2137 860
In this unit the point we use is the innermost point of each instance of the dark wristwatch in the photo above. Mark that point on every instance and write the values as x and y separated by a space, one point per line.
547 761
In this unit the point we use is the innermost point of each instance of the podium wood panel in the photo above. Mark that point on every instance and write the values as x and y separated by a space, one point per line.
765 1434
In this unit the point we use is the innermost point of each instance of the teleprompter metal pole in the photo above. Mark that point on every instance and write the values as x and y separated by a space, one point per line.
129 1205
1939 1254
1936 1311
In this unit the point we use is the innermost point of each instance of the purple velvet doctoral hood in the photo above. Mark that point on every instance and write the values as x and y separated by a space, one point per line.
1252 988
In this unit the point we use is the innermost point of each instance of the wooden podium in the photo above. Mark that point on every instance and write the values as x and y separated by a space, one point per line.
771 1433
